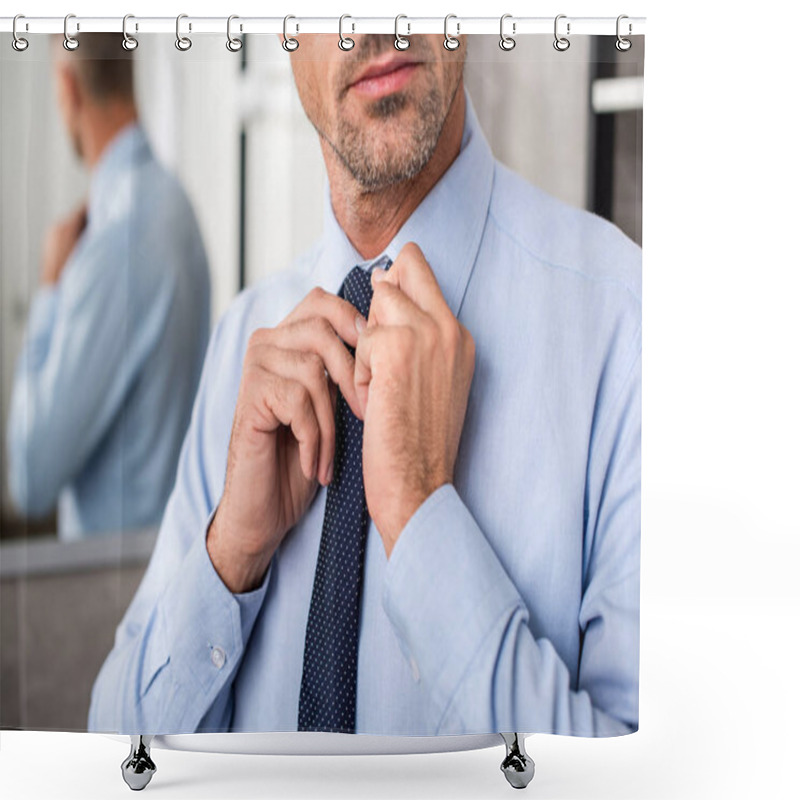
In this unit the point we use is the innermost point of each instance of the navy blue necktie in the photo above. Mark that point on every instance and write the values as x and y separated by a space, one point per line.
330 661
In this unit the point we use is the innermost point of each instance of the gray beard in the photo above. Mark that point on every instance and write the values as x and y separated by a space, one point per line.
375 167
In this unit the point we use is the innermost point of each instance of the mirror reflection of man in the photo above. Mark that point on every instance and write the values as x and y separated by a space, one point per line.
450 544
118 327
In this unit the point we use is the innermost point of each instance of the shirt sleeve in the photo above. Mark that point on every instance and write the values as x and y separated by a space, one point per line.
178 647
84 345
463 624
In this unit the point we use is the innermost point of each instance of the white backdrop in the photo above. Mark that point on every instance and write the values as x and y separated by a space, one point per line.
720 602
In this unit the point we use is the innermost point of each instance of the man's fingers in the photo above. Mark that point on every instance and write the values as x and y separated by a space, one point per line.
414 276
343 316
290 403
392 306
307 369
363 368
378 346
317 335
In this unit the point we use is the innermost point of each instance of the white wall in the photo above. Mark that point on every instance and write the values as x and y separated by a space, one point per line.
189 106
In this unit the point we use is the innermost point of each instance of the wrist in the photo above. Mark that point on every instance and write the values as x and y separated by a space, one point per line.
395 520
239 571
48 277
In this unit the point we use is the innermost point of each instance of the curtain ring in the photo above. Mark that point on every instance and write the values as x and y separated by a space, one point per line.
128 42
400 42
507 42
345 42
289 44
183 43
450 42
561 43
70 42
17 42
233 44
622 44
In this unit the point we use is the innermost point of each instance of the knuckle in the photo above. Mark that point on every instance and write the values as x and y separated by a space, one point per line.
452 334
468 344
321 326
411 252
299 400
314 368
257 337
380 295
406 339
315 365
296 394
316 294
277 394
467 338
250 374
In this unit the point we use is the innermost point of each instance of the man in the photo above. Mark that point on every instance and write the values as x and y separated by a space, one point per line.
495 381
118 328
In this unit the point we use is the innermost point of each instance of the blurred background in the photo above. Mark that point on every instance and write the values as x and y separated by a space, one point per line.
231 128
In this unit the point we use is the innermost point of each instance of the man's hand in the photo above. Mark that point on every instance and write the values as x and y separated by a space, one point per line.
59 243
414 367
282 440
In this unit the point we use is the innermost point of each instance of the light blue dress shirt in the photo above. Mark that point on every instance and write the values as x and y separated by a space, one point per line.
511 599
112 356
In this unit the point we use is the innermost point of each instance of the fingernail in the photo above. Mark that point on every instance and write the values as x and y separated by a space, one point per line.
378 275
330 473
360 323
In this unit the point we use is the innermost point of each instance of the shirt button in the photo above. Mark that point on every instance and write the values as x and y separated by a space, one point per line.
218 657
414 670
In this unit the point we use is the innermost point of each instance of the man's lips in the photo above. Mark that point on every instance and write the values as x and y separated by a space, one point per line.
384 77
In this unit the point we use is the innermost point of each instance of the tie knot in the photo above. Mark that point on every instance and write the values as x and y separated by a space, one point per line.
357 286
357 289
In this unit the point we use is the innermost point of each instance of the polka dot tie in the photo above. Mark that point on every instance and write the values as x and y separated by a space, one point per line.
330 661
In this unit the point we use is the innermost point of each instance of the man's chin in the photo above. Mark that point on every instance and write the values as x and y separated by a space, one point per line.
364 112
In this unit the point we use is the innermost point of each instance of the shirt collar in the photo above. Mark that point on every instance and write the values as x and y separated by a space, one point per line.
447 225
119 155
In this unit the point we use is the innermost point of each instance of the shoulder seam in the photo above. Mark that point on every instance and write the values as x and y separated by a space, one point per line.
563 267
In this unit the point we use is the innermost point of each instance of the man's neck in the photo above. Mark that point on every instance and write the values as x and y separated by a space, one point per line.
371 219
101 129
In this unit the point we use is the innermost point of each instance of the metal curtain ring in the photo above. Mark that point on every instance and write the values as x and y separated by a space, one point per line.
507 42
128 42
400 42
345 42
183 43
289 44
17 42
450 42
70 42
233 44
622 44
561 43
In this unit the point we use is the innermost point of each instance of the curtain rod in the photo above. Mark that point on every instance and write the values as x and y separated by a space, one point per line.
630 26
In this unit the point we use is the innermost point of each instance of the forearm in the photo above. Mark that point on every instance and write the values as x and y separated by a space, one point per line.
33 469
515 682
174 673
462 621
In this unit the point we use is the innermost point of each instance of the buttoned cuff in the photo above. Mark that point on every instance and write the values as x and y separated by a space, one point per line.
206 625
445 590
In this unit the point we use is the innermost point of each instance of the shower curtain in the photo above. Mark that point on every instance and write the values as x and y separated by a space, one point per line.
321 381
